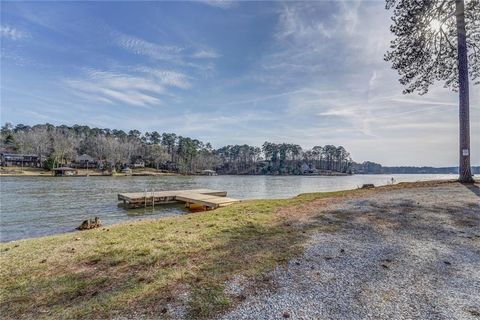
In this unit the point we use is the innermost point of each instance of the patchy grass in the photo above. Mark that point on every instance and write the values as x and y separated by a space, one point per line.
141 268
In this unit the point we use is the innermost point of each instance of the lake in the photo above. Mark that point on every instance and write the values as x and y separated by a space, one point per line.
37 206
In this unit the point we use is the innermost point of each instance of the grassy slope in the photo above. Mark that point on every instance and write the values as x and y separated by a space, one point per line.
138 268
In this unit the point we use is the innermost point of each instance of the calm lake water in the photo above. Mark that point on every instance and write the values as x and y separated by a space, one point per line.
36 206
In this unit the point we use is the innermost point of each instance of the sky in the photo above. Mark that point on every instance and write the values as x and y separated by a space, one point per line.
310 73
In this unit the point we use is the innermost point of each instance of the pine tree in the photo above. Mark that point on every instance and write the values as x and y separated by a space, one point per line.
437 40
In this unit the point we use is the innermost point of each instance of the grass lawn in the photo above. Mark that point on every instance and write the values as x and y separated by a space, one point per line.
140 268
23 171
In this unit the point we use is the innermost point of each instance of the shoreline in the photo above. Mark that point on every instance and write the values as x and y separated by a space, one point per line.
146 174
377 188
142 268
358 188
35 172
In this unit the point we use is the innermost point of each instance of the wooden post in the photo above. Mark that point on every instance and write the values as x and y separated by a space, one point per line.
153 199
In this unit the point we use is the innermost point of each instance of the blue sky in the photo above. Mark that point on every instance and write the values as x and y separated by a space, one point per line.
310 73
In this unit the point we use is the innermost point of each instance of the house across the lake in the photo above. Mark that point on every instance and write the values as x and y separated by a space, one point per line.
139 163
209 172
84 161
64 171
20 160
308 169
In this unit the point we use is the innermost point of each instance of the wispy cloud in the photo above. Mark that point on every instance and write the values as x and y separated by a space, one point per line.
12 33
293 25
206 54
188 56
222 4
142 47
167 77
142 88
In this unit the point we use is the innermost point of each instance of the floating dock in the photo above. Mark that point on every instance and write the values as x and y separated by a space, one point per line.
204 198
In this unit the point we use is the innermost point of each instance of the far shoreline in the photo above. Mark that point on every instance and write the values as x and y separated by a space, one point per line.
37 172
150 172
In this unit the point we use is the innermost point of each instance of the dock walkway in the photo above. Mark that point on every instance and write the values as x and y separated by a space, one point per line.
206 198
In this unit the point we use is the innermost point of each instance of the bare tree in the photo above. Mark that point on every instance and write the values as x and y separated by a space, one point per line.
34 141
64 145
158 154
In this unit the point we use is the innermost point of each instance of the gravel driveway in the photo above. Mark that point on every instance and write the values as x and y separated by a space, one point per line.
399 254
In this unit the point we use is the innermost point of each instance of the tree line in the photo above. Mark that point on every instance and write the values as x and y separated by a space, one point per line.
60 145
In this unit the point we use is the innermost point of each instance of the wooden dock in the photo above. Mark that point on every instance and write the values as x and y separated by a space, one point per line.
205 198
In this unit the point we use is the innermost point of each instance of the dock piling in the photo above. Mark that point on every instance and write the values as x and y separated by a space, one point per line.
153 199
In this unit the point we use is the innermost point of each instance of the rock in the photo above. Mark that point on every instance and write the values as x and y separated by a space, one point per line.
286 315
367 186
77 239
43 261
447 262
90 224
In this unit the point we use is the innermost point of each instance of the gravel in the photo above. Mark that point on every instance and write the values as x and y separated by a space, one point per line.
401 254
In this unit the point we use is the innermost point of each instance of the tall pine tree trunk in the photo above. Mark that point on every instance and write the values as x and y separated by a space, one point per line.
464 117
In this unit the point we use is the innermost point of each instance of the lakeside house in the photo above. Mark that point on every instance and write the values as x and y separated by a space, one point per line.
127 171
139 163
308 169
209 172
64 171
84 161
20 160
